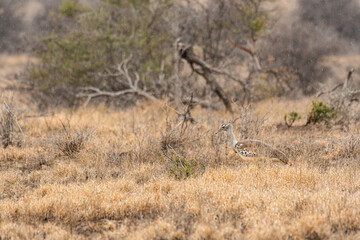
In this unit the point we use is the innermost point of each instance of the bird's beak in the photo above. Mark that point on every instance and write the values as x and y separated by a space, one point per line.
219 130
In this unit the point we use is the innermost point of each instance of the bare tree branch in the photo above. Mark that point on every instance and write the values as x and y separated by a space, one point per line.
123 76
342 97
202 103
344 85
207 71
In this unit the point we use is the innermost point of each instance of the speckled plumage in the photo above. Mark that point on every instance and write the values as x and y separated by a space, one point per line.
236 146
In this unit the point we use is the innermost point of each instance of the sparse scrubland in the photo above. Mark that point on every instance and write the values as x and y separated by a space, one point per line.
110 132
118 182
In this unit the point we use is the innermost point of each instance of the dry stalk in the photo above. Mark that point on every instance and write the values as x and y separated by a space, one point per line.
7 121
71 142
250 126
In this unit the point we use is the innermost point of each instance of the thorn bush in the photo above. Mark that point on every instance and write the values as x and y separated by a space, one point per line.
320 112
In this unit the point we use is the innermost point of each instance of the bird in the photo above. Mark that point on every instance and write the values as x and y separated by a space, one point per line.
235 144
240 146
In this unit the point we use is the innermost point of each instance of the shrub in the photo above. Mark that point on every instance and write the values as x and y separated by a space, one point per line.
181 168
320 112
86 48
68 8
290 118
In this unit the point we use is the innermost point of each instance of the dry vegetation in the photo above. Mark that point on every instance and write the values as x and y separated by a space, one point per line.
126 168
120 183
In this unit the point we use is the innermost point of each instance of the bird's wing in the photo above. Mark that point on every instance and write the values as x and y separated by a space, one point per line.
264 146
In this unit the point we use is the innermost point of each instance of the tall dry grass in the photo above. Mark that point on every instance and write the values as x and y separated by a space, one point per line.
119 182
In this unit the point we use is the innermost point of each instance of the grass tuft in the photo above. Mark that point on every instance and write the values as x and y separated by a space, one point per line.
71 142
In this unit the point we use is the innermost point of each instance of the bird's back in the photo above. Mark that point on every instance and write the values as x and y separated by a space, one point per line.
264 148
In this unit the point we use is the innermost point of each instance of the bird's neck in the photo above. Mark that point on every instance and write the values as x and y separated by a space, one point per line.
231 137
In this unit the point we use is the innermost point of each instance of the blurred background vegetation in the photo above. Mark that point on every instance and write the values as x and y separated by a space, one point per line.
82 45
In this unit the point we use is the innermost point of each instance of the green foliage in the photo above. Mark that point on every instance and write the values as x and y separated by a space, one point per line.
68 7
320 112
123 3
98 40
257 24
290 118
182 168
254 20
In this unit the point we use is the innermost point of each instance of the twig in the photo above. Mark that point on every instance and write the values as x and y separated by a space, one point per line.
14 117
344 85
177 156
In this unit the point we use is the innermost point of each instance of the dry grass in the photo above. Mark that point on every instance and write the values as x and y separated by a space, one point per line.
119 184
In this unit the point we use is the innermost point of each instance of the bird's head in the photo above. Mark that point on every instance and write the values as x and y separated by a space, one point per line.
224 127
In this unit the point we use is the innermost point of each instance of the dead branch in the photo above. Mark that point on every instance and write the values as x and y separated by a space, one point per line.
344 85
348 79
342 96
252 53
185 116
123 76
330 91
206 70
202 103
240 47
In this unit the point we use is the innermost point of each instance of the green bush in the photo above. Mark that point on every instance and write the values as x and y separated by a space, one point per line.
290 118
320 112
68 7
253 18
85 47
